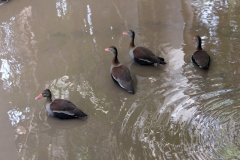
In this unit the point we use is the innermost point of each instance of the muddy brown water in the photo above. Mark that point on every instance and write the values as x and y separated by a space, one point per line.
178 111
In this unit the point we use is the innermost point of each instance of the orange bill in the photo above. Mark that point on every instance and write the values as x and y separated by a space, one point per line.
39 97
125 33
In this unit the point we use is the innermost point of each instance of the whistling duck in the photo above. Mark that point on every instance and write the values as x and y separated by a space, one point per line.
60 108
142 55
120 73
200 57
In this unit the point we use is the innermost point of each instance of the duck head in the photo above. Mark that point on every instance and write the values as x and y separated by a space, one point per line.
130 33
45 93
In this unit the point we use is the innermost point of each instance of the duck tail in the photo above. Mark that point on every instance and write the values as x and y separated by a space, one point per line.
161 60
81 114
132 91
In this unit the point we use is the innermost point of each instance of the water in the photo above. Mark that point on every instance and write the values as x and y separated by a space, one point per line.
178 112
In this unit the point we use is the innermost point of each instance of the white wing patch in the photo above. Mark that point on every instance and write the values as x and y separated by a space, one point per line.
155 64
118 82
65 112
145 60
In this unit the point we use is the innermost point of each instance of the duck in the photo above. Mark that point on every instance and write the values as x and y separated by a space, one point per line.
120 73
142 55
200 57
60 108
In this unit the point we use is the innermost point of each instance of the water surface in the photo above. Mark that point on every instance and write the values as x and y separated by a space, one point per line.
178 112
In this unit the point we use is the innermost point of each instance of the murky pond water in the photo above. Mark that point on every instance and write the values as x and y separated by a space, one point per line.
178 111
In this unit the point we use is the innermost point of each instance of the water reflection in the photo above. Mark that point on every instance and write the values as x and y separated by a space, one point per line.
89 13
61 87
178 111
15 115
61 7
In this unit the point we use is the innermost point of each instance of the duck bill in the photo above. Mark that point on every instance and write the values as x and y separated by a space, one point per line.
106 49
39 97
125 33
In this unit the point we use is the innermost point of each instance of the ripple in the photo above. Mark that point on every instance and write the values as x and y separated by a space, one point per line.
190 121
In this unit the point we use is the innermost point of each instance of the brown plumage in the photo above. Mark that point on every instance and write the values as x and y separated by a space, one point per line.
200 57
60 108
120 73
142 55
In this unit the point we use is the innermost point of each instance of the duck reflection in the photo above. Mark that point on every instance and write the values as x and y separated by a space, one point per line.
6 0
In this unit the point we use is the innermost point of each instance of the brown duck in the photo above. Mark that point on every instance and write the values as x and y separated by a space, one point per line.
200 57
60 108
120 73
142 55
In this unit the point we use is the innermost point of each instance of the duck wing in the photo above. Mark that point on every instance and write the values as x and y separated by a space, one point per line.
201 58
123 77
145 54
65 109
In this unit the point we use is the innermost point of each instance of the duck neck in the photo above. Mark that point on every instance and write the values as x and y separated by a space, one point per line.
48 100
132 45
115 59
199 43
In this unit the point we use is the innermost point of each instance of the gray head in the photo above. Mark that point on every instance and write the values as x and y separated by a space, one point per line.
130 33
112 49
45 93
